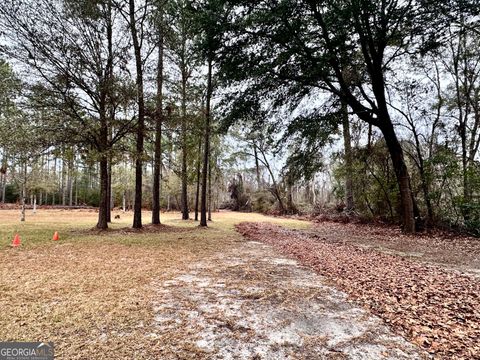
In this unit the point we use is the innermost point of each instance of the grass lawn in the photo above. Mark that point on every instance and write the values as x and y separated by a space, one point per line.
90 293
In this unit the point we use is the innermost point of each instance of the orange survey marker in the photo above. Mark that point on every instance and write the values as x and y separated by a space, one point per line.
16 241
55 236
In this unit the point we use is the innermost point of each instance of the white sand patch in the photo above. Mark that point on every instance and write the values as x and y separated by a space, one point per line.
285 336
266 307
281 261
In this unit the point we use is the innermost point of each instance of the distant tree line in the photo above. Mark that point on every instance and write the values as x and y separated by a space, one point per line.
105 85
370 106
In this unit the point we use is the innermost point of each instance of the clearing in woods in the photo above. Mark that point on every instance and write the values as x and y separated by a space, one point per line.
175 292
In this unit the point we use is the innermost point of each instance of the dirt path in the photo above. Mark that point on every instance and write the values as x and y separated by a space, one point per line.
249 302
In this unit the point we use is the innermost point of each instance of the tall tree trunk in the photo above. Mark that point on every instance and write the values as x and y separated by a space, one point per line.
197 193
70 181
210 190
467 196
4 186
70 193
292 209
103 166
24 192
426 196
112 197
348 159
314 191
257 166
22 211
206 153
409 211
423 176
54 177
184 194
103 206
76 191
4 167
137 215
275 191
407 201
109 106
462 93
63 187
157 167
109 190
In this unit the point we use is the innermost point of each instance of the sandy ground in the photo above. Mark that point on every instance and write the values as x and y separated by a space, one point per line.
184 294
251 303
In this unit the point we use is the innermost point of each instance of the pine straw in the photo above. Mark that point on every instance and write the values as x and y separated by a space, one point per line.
435 308
90 300
91 294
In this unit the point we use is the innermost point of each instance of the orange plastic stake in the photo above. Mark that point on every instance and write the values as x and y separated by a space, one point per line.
16 241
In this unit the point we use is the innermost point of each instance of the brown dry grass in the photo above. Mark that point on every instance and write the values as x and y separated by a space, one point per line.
91 293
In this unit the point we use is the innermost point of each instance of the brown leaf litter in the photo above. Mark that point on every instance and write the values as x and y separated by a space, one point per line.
435 308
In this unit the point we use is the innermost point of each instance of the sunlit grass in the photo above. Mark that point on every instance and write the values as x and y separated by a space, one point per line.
72 226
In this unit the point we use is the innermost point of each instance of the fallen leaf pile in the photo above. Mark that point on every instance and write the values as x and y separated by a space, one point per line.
436 246
435 308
